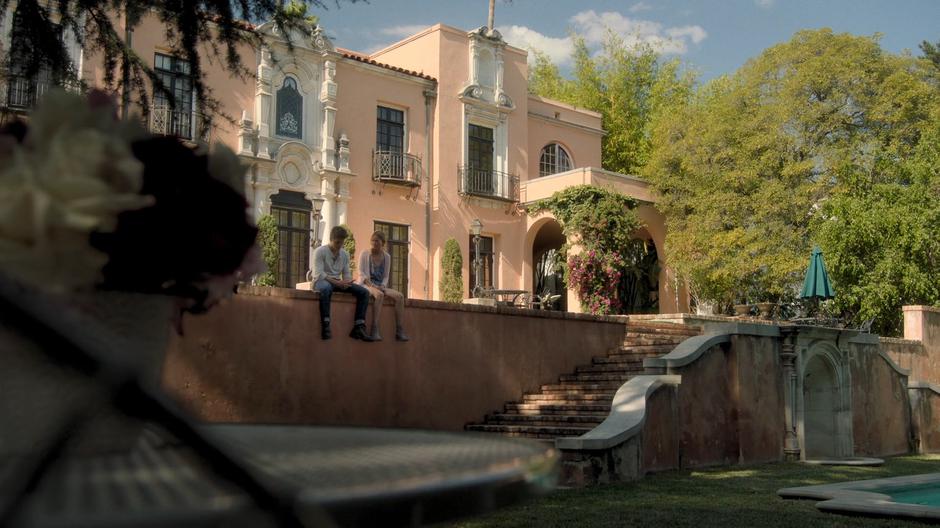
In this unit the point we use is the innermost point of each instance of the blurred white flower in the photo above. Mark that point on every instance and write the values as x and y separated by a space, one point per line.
73 174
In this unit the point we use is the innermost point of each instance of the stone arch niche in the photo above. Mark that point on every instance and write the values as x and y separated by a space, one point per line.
824 414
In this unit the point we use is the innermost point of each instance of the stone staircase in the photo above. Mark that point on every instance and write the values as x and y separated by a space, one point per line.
580 401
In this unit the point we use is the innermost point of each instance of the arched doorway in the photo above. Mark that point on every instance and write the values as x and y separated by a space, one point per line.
548 275
639 283
821 407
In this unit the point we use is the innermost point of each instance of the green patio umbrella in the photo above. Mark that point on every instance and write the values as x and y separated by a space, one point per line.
816 285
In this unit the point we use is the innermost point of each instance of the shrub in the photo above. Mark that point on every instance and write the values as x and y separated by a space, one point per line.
270 253
350 246
452 272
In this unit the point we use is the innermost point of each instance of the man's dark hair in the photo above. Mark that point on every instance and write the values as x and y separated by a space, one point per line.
338 232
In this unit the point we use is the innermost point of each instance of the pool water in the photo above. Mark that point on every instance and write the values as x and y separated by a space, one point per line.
926 494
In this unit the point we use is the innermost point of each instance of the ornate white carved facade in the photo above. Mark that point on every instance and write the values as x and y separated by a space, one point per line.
317 162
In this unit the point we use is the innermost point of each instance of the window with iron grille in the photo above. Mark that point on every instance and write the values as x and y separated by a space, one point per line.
397 246
292 212
289 110
486 258
25 83
554 159
173 116
390 130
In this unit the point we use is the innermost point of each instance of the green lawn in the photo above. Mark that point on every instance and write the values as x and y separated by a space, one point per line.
726 497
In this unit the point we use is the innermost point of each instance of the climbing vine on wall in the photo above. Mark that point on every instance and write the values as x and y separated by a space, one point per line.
601 223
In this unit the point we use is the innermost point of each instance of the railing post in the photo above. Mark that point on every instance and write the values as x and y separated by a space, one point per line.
791 442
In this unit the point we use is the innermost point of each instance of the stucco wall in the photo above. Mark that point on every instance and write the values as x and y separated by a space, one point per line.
921 325
363 89
925 419
881 418
578 131
731 405
259 358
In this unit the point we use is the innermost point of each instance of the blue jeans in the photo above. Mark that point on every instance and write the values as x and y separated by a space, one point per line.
326 290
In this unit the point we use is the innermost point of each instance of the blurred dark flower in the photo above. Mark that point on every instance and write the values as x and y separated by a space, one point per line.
198 228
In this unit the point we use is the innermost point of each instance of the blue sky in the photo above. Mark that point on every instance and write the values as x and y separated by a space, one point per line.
714 36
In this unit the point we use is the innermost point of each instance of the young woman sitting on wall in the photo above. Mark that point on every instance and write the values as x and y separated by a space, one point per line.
374 267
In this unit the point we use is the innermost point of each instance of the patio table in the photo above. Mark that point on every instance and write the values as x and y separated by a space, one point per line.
515 295
356 476
178 473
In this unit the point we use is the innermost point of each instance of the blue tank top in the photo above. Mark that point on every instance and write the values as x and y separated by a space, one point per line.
378 272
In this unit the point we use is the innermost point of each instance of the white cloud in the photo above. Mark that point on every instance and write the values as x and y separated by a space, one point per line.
640 6
558 49
764 4
594 27
695 33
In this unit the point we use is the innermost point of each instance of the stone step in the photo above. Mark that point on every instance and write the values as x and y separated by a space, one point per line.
650 340
582 387
597 409
654 326
558 420
624 367
531 431
656 330
643 349
620 358
553 398
595 377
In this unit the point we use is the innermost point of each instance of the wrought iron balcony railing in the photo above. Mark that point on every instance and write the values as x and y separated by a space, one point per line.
184 124
21 92
396 167
488 183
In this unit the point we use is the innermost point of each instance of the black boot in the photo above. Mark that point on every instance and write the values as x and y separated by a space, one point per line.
359 332
325 332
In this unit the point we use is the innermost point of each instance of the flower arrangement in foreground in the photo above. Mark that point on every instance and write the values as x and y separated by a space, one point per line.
88 201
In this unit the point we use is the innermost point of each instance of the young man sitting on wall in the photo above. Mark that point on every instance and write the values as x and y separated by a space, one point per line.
331 273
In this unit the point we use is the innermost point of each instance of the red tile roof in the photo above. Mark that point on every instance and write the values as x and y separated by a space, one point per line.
356 56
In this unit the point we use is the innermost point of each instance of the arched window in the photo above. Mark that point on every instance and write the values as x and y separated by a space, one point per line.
554 159
290 106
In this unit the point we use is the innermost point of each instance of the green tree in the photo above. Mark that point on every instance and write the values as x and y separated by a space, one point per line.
931 52
749 165
270 252
452 272
627 84
882 239
545 79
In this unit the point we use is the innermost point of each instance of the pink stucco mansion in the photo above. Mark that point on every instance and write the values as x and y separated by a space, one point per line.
418 139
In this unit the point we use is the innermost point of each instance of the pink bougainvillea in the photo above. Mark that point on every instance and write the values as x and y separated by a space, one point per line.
596 276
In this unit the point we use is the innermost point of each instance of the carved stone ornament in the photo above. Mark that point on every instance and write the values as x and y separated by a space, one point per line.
292 175
506 101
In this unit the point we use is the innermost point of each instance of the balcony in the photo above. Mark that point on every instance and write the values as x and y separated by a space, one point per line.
396 168
183 124
20 92
488 183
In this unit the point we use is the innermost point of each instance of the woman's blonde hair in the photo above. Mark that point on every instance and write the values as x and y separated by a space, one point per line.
380 235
